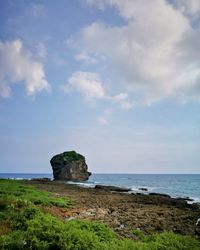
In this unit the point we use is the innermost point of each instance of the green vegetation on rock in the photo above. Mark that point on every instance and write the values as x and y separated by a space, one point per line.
25 225
69 156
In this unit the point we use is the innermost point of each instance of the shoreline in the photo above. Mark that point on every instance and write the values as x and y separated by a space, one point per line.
124 212
176 186
136 191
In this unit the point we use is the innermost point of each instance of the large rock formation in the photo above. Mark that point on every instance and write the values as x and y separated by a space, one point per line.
69 166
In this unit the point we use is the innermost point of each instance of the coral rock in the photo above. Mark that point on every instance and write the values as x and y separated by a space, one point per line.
69 166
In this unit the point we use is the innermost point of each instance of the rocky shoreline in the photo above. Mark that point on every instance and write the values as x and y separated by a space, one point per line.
125 212
140 191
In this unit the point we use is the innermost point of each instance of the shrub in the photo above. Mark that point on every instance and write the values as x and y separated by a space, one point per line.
12 241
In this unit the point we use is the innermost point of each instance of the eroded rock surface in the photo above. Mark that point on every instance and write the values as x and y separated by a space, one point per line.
69 166
126 212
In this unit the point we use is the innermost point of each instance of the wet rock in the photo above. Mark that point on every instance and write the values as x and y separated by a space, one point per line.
112 188
161 195
42 180
69 166
184 199
179 203
143 189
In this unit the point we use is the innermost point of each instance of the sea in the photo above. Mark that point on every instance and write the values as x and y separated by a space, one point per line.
176 185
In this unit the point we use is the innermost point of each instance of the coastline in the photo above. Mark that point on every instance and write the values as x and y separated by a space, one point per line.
125 211
135 191
175 185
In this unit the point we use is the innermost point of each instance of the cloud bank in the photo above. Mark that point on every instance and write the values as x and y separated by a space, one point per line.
155 52
18 67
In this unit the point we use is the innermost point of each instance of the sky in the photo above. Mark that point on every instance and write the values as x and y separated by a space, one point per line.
117 81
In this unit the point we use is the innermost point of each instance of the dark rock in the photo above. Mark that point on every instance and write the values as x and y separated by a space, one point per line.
41 179
196 205
197 231
69 166
162 199
184 199
143 189
161 195
112 188
179 203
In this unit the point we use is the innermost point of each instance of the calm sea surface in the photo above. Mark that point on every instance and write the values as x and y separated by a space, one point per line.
176 185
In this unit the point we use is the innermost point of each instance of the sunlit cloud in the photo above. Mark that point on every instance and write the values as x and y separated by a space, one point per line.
154 51
18 67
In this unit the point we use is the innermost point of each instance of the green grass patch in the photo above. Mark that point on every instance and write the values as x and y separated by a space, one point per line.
24 226
12 191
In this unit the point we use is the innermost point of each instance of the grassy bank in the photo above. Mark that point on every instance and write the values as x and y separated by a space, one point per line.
26 224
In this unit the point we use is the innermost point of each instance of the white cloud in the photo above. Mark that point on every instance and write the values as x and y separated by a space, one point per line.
90 86
153 53
188 7
85 58
122 100
17 66
86 83
120 97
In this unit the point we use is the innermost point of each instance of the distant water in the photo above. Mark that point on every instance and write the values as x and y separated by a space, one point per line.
176 185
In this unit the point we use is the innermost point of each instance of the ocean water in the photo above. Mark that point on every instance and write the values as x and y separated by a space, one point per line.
176 185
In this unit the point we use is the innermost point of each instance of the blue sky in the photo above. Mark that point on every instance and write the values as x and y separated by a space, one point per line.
117 81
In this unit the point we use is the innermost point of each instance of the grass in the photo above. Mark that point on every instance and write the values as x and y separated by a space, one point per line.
24 225
13 191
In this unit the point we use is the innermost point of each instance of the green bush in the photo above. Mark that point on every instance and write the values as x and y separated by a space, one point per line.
43 231
171 241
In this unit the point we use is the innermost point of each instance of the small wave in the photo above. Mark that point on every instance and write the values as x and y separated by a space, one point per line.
18 178
137 189
89 185
195 200
82 184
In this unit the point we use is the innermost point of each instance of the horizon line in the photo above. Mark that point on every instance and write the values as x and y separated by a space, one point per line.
106 173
